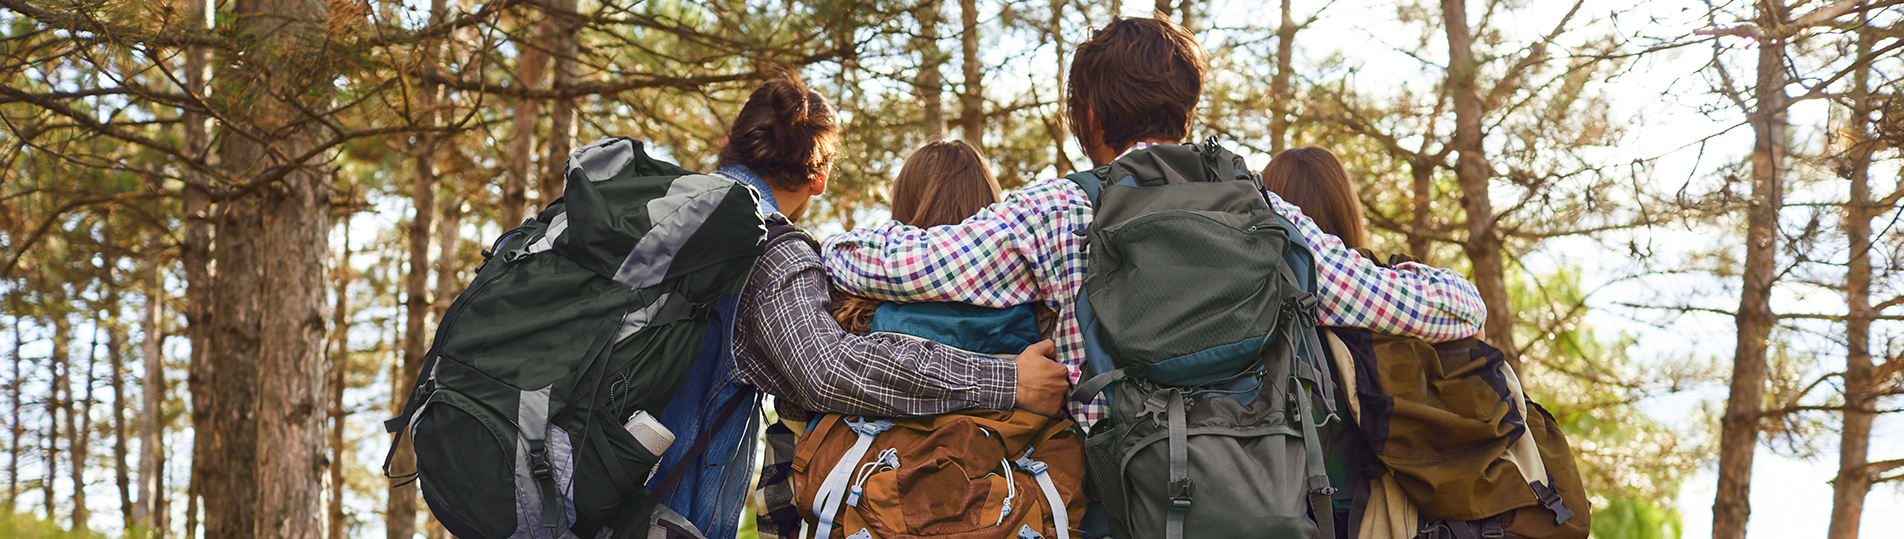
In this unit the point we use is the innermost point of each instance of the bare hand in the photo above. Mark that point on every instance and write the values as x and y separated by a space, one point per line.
1042 382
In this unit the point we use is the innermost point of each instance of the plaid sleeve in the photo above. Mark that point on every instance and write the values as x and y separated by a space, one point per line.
1411 299
996 258
1026 248
787 344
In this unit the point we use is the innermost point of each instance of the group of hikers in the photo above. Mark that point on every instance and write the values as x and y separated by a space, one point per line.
1132 351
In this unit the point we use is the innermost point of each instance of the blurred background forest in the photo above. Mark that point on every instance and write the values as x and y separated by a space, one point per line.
227 228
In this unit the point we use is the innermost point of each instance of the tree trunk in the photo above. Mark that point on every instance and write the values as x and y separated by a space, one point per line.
1472 173
448 259
1187 15
1164 9
532 66
227 482
1848 490
80 426
1279 93
60 405
13 412
1421 173
562 112
928 84
1739 427
339 352
195 255
116 357
1054 126
401 506
151 450
267 352
972 100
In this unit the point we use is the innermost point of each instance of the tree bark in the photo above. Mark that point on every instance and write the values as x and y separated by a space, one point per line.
195 256
152 509
562 112
60 406
448 258
1739 427
400 509
80 427
1279 93
401 506
116 357
532 66
13 412
1054 126
1853 483
339 352
227 465
972 100
267 351
1421 172
928 84
1483 245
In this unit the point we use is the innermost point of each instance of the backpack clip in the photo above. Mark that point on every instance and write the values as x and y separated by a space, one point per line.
1179 490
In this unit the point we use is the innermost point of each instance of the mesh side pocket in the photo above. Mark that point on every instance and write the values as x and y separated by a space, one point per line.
1106 481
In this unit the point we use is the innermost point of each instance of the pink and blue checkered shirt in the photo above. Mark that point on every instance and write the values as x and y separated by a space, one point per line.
1030 248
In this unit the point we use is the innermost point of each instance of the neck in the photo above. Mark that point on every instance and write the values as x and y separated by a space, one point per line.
793 204
1102 154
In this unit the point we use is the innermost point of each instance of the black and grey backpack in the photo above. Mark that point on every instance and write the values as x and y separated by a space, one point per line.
1199 316
588 313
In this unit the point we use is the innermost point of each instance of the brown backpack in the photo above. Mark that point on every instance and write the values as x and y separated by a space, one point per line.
1464 454
978 474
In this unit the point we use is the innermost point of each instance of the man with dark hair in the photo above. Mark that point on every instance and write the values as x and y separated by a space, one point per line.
1134 84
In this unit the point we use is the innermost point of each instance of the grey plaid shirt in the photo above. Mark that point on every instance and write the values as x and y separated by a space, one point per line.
786 344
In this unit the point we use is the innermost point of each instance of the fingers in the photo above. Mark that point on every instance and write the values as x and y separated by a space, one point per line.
1045 348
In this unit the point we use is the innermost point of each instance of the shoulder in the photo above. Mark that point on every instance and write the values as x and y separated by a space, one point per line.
1056 193
790 252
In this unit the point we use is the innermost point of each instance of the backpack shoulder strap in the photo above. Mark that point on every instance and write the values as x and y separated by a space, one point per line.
780 229
1091 181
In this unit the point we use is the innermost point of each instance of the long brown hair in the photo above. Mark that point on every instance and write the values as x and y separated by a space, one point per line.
942 183
786 133
1314 180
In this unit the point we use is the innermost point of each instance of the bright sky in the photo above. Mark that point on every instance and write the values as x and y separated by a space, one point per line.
1791 496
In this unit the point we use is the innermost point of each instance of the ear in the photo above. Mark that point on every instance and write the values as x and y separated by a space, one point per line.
819 182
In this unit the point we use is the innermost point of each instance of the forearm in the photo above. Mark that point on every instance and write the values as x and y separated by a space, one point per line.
800 353
892 375
1410 299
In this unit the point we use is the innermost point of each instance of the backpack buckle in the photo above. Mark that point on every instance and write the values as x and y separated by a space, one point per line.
1179 489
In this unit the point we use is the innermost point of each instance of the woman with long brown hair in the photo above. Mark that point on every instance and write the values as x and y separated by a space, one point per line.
1314 180
943 182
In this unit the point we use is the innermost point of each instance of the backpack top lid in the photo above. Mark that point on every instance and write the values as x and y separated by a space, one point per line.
642 221
1165 164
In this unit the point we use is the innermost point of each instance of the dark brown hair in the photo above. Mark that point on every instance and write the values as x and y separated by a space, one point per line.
1139 78
786 133
1314 180
943 183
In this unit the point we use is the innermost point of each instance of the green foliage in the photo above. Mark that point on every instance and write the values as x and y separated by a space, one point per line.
1633 465
1627 518
26 526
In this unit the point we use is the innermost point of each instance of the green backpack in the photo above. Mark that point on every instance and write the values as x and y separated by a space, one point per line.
588 313
1199 314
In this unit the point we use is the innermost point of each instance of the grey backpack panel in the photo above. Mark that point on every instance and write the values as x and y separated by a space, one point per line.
1205 305
588 313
